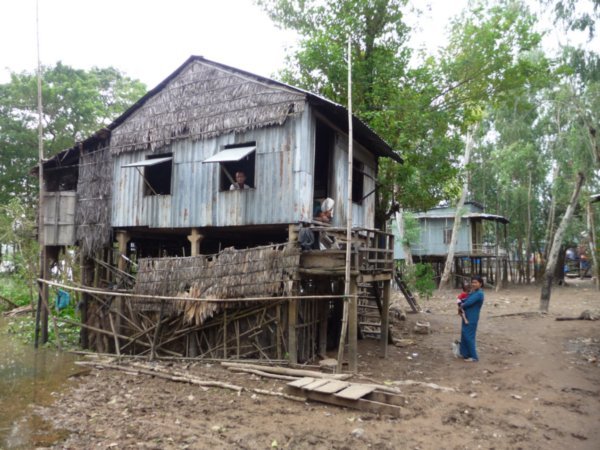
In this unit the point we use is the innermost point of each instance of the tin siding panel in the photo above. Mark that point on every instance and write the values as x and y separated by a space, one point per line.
281 194
363 215
432 237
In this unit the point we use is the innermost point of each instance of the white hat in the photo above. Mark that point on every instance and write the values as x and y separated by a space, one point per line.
327 205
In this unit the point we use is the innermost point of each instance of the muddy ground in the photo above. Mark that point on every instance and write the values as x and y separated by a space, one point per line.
537 386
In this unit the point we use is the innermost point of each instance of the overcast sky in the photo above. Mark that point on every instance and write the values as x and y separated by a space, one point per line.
149 39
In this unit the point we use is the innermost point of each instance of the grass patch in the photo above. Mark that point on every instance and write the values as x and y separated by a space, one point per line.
14 288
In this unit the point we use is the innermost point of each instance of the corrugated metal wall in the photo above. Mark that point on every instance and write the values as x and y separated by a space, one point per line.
362 214
283 182
432 237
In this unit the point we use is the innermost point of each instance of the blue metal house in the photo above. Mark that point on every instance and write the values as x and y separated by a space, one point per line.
478 240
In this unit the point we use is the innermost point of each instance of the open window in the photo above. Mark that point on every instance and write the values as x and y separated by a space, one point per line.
447 235
233 159
156 172
358 181
324 141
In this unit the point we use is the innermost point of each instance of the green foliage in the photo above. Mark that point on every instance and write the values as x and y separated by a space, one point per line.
18 232
420 278
397 101
76 103
14 288
23 328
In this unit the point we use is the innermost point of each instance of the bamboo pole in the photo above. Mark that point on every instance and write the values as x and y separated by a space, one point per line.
122 293
40 315
116 339
288 371
347 275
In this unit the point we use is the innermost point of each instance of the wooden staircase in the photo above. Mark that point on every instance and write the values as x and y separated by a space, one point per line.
369 310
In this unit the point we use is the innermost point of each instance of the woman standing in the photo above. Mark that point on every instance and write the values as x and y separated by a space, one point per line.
472 306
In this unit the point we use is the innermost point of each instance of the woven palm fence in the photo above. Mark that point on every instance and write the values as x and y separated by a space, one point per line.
205 101
94 193
267 271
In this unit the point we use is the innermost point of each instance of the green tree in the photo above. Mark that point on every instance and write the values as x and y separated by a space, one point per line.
493 55
76 104
400 103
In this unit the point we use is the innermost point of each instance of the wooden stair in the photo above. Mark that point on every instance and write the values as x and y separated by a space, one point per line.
369 311
369 307
408 295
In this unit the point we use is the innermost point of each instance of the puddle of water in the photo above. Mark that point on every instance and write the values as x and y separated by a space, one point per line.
29 377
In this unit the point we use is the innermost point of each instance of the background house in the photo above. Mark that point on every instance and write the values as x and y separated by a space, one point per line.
478 248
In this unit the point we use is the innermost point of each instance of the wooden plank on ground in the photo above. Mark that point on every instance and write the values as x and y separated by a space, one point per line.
332 387
301 382
386 397
360 404
355 391
315 384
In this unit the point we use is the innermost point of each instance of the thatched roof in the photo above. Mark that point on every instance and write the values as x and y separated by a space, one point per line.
267 271
202 100
268 102
236 100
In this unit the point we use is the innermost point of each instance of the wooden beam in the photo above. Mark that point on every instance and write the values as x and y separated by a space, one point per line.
370 278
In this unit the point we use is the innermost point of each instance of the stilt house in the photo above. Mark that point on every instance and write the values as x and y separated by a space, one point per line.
478 249
202 270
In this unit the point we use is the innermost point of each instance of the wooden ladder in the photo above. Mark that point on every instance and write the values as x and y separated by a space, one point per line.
369 311
408 295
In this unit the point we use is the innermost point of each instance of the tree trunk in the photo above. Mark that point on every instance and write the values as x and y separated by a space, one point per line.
556 245
528 234
405 245
457 216
595 270
520 273
550 227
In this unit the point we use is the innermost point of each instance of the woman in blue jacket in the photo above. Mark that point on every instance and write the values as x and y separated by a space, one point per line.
472 306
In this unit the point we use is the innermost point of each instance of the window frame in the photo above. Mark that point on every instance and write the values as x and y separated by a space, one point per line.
358 181
229 165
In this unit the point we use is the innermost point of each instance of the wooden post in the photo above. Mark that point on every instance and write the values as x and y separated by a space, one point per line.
195 239
353 327
292 234
278 331
385 318
225 334
323 316
87 277
157 331
44 295
292 336
123 238
49 255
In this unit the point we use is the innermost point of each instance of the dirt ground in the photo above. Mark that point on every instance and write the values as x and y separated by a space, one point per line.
536 387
